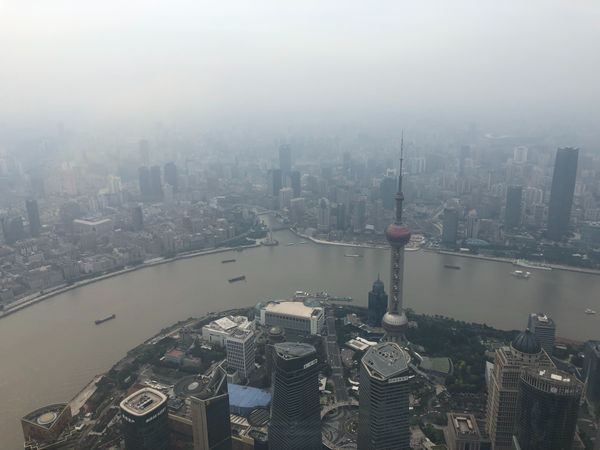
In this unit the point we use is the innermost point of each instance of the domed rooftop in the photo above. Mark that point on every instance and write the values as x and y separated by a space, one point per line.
397 234
526 342
394 322
275 331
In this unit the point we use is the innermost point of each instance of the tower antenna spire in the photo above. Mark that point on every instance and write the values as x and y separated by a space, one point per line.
399 194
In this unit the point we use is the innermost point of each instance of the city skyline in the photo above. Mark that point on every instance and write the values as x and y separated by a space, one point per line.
300 225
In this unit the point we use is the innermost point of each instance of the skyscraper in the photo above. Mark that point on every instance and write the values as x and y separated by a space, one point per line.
137 218
33 215
323 216
561 193
591 371
241 351
395 321
144 180
378 300
295 410
211 426
503 393
285 160
145 420
548 407
296 183
297 208
512 213
544 330
275 181
472 230
383 415
359 214
285 197
170 170
12 229
450 226
156 189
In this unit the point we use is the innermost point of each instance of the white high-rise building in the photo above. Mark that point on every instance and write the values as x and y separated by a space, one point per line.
241 351
218 330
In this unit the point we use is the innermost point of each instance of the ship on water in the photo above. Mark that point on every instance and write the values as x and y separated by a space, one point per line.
353 255
521 274
590 312
451 266
225 261
240 278
531 265
106 319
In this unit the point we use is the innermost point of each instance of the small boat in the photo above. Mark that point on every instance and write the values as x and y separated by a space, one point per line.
241 278
302 242
353 255
225 261
521 274
450 266
290 243
590 312
106 319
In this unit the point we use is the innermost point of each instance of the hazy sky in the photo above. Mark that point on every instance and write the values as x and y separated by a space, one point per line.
164 60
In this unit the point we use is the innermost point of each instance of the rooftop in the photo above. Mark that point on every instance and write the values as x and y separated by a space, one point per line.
526 342
464 425
553 375
243 335
46 416
290 308
143 401
293 350
553 381
539 319
386 360
228 323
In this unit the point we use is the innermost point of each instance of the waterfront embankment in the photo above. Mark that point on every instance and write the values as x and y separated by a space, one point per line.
510 261
32 299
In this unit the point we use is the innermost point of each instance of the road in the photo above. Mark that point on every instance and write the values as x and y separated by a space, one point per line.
334 359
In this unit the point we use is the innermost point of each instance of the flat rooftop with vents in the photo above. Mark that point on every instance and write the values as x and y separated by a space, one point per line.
386 360
143 402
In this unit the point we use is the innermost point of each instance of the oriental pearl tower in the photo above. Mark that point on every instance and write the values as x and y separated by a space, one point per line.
394 320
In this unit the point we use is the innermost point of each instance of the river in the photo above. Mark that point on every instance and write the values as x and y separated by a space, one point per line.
49 351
